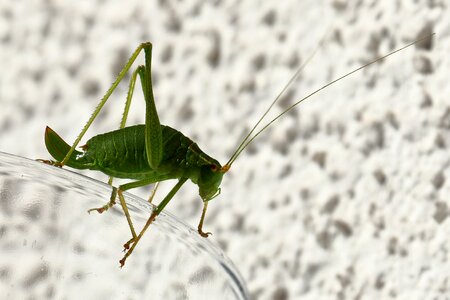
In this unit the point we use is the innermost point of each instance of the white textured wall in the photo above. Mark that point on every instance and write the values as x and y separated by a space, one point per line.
344 198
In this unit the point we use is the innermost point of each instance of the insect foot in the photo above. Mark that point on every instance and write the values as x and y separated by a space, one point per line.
122 262
203 234
50 162
135 239
111 203
99 210
126 246
202 218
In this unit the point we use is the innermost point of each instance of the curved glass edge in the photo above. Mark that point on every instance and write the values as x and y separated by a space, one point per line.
37 169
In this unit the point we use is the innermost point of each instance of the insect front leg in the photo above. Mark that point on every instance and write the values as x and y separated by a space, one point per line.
202 218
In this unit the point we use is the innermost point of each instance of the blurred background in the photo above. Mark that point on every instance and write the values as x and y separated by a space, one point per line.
346 197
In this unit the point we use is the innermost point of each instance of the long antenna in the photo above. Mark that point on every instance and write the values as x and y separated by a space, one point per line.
299 70
247 141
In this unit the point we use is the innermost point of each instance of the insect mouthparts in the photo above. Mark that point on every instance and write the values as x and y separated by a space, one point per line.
225 168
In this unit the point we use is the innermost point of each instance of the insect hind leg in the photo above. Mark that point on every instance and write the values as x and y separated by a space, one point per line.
122 73
126 109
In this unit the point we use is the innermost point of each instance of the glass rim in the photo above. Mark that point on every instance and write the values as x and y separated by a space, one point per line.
39 170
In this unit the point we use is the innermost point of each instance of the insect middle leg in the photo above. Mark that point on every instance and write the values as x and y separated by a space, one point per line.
152 195
112 202
126 246
118 192
152 217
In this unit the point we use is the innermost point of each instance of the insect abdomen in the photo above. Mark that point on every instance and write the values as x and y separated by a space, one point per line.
121 153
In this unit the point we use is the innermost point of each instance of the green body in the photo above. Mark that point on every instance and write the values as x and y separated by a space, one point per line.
121 154
147 154
153 152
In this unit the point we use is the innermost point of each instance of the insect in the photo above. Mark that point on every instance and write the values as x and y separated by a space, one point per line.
152 152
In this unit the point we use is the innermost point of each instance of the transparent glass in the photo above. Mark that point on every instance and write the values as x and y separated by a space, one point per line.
51 248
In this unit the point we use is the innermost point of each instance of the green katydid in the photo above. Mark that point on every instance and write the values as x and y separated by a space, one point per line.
152 153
